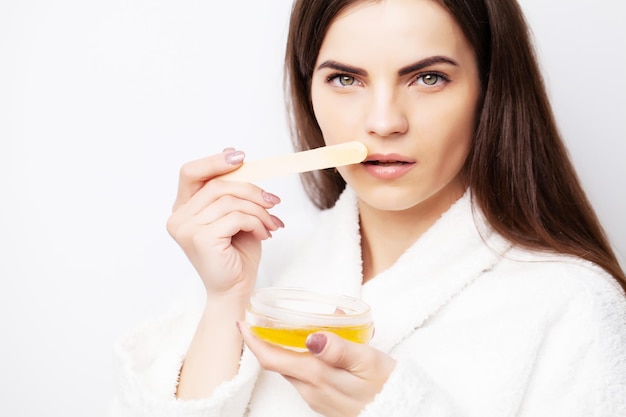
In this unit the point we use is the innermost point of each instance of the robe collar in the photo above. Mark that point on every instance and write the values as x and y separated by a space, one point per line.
449 256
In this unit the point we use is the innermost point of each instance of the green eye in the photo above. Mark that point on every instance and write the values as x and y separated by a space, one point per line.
430 79
346 80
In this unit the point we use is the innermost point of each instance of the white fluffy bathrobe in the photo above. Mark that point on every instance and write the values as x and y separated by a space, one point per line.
478 329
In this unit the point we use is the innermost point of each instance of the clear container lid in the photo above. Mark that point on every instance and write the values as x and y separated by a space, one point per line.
284 306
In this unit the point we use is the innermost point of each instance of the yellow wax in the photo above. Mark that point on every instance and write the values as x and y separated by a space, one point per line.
295 337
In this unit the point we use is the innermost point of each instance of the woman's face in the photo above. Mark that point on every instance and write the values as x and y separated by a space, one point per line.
399 76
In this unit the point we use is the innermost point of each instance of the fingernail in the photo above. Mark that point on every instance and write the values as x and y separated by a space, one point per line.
235 157
278 222
270 198
316 342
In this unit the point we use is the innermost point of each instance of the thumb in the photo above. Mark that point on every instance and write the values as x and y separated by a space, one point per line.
334 350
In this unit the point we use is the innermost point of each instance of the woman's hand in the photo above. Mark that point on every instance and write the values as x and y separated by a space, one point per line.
220 224
338 378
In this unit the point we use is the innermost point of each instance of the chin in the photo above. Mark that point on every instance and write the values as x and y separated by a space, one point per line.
390 199
396 198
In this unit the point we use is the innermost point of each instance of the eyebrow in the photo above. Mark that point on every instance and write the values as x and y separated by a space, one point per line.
416 66
424 63
342 68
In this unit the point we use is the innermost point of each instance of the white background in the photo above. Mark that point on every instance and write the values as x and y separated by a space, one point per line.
101 101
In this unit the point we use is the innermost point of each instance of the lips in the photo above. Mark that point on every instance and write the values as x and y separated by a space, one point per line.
388 159
386 163
388 166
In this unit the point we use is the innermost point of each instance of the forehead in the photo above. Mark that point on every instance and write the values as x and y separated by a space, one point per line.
394 30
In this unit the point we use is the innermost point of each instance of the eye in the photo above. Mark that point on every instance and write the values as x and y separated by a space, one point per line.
342 80
431 79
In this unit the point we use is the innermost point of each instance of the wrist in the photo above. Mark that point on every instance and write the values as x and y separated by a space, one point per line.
226 306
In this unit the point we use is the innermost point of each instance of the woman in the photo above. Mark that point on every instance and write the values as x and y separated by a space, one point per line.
493 288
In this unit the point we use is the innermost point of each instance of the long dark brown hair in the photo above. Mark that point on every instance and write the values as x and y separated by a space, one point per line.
518 168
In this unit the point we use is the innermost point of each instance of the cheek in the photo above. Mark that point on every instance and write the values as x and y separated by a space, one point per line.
336 123
447 135
323 115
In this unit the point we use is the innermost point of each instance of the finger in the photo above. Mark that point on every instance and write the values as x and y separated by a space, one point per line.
326 389
220 234
213 190
193 175
236 222
226 196
182 227
227 204
273 358
338 352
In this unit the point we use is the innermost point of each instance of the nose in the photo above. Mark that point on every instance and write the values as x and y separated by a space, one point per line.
385 116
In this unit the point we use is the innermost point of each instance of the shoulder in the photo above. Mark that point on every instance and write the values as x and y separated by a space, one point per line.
531 287
565 272
562 305
559 284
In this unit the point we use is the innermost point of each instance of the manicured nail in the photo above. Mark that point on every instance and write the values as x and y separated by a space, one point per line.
316 342
278 222
235 157
270 198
